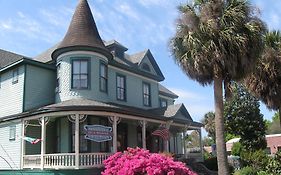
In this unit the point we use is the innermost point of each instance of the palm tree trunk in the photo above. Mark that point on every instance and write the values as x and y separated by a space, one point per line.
219 122
279 110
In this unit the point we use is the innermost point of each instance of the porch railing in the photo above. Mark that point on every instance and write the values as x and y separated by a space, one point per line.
56 161
31 161
65 160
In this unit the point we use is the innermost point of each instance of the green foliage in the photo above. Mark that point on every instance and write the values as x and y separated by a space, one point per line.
207 155
257 159
193 139
274 126
273 166
208 141
236 149
243 118
209 124
229 136
246 171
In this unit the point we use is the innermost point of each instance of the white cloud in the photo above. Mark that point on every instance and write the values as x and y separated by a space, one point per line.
187 95
127 10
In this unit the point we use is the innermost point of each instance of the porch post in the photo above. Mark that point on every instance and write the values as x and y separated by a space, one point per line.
184 143
144 134
166 142
43 141
201 144
77 141
114 134
22 144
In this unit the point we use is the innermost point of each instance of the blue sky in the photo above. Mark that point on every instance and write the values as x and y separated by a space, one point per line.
29 27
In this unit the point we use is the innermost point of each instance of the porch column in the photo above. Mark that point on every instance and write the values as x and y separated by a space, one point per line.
43 141
184 143
77 118
114 134
201 144
22 143
144 134
166 142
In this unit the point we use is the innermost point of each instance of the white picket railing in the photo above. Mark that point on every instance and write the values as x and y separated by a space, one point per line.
59 161
88 160
31 161
65 160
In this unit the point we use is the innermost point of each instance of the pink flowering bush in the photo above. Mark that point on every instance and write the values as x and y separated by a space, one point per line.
140 162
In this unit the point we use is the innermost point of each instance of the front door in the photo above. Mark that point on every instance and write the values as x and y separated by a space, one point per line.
122 137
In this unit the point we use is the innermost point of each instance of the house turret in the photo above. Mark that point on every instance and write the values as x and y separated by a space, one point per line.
82 34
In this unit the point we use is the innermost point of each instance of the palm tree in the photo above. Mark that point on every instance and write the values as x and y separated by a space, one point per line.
217 41
265 81
209 124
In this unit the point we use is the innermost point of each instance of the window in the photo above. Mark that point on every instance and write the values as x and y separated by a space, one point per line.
15 76
12 133
146 94
58 78
163 102
103 77
80 74
121 87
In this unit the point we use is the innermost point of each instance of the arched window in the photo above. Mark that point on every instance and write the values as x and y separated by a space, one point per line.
145 67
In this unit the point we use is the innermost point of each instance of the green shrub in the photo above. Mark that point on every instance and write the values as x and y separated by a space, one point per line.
273 166
236 149
258 159
246 171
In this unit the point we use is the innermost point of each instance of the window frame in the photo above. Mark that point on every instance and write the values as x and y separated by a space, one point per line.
15 76
124 88
146 95
88 73
12 132
102 63
58 81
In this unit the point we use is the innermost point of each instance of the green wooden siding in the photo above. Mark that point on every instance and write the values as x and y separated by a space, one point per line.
133 84
10 150
39 87
11 94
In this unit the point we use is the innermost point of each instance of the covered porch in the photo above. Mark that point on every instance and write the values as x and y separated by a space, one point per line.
84 139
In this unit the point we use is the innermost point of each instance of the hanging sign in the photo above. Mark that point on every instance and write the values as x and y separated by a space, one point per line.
98 133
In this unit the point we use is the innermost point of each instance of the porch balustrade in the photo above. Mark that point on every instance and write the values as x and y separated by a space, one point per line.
65 160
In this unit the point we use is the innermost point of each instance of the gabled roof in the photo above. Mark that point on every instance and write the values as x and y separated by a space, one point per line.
166 92
7 58
46 56
139 57
82 33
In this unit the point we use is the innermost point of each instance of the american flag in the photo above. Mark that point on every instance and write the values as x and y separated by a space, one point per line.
162 132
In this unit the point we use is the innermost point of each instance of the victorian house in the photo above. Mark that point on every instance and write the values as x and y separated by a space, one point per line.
83 100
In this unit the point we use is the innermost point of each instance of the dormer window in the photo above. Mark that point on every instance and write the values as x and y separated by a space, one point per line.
80 74
145 67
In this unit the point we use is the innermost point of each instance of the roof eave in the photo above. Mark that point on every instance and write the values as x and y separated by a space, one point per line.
60 51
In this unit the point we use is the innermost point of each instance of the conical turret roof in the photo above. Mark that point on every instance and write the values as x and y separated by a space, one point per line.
82 33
